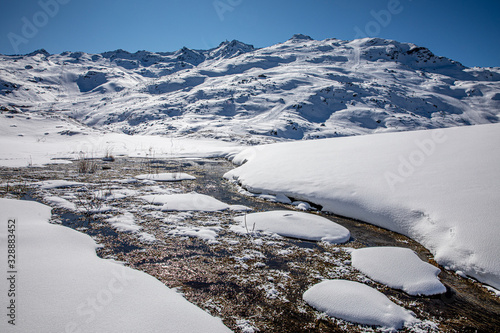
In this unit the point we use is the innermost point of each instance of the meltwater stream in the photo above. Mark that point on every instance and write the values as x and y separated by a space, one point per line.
252 282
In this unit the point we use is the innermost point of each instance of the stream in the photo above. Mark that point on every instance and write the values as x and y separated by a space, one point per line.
253 282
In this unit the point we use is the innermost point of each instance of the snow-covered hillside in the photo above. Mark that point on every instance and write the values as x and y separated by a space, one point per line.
299 89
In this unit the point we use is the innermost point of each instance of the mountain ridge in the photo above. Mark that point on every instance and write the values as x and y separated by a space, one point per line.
299 89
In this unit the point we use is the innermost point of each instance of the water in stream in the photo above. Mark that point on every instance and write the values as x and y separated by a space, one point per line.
254 283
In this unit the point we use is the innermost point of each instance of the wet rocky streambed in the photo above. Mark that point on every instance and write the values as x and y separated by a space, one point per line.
253 282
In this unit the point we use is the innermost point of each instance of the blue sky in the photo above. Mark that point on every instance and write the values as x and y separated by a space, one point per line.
467 31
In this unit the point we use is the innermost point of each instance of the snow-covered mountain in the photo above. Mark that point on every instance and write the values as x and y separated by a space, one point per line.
299 89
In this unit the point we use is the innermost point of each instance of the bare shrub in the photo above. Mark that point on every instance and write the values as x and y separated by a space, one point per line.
89 201
109 155
86 165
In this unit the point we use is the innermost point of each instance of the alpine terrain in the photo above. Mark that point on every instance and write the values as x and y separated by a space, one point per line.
299 89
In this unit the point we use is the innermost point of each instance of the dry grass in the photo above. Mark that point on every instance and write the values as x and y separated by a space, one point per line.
86 164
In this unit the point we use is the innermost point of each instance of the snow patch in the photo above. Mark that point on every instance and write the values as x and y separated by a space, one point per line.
166 177
208 234
357 303
124 223
115 194
51 184
293 224
186 202
398 268
59 202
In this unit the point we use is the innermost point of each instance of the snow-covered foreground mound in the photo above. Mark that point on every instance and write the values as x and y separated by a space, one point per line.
294 224
357 303
62 286
439 187
398 268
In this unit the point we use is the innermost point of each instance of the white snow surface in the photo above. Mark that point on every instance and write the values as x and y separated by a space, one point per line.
439 187
186 202
124 222
58 183
357 303
59 202
206 233
166 177
64 287
48 138
115 194
398 268
239 208
146 237
293 224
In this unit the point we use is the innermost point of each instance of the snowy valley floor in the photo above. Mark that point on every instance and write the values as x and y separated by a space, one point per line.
252 281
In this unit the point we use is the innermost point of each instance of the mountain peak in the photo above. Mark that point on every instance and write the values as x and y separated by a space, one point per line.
188 55
120 53
298 37
39 51
230 49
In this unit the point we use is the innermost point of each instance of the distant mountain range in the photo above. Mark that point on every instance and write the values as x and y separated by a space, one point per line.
299 89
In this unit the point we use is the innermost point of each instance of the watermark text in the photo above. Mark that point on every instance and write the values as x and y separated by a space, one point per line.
11 271
31 26
416 158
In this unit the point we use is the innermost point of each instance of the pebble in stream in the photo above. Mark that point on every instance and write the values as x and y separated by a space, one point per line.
254 283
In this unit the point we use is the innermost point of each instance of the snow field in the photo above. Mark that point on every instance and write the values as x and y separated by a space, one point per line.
285 223
51 139
58 183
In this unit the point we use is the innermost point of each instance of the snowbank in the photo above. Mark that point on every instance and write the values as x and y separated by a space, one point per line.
357 303
439 187
398 268
293 224
62 286
166 177
186 202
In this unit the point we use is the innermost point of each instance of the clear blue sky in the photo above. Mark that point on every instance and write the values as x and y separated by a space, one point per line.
467 31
